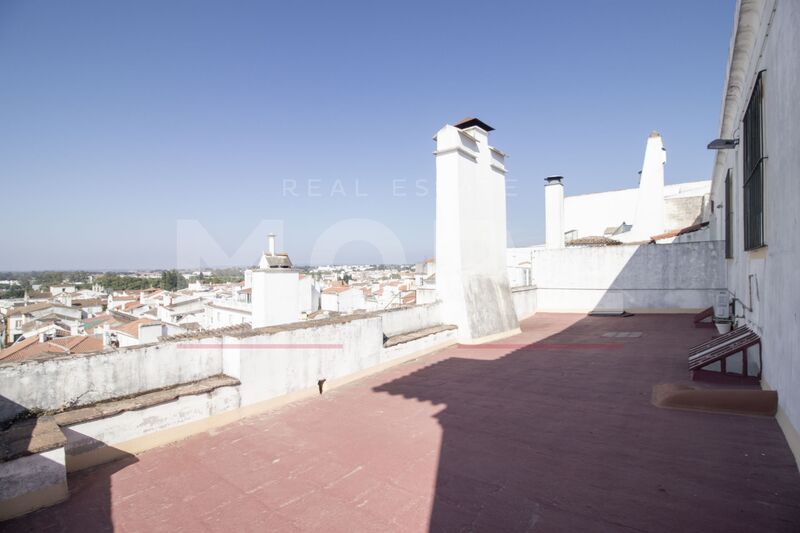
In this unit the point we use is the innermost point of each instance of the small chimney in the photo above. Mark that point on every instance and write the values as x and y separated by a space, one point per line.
106 335
271 244
42 337
554 212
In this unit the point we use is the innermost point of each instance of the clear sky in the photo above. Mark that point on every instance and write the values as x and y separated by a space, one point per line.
119 120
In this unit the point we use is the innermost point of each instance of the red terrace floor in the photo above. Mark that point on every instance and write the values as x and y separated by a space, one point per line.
558 436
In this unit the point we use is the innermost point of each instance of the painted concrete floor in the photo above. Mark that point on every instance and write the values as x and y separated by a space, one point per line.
551 430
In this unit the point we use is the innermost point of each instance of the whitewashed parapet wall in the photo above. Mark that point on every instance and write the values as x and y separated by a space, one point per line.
268 362
638 278
85 379
525 301
471 277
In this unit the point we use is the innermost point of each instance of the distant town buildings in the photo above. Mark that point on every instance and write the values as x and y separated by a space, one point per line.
274 293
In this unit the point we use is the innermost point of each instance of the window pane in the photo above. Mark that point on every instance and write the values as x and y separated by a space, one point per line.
728 216
753 163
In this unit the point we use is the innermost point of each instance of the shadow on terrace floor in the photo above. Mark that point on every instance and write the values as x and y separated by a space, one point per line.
558 433
90 489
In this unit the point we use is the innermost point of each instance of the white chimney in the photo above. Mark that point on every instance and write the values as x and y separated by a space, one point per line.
271 244
106 335
554 212
649 218
471 193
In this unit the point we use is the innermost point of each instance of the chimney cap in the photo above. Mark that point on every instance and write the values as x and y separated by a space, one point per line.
553 179
469 122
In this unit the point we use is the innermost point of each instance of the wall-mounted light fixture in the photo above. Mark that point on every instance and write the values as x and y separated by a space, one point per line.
723 144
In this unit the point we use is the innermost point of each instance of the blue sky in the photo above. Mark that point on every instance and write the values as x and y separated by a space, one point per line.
120 119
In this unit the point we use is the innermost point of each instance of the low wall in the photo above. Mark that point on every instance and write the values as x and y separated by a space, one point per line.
525 301
406 319
284 362
269 362
88 442
642 278
78 380
32 482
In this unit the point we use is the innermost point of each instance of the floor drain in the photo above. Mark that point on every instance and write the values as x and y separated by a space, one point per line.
623 334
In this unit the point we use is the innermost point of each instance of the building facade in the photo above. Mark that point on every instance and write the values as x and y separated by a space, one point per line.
756 188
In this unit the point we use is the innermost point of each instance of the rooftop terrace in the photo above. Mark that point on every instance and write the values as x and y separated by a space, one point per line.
550 430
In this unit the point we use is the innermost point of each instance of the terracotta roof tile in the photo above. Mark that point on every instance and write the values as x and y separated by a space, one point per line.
682 231
594 240
31 348
132 328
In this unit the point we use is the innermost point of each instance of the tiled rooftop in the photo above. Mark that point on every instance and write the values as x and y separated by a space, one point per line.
550 430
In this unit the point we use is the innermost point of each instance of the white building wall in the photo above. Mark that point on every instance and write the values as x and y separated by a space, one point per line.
525 301
765 282
308 294
590 214
275 297
639 278
228 313
351 300
329 301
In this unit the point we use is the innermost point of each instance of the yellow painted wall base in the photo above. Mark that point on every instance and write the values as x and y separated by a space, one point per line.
789 431
31 501
791 434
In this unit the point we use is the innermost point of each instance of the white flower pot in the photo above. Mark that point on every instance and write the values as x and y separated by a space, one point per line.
723 327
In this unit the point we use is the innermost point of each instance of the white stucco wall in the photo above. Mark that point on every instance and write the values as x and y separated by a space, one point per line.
226 314
275 364
408 319
766 282
524 301
648 278
308 295
78 380
301 357
591 214
350 300
31 473
275 297
88 436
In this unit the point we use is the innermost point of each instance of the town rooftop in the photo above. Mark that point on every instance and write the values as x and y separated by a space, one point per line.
552 429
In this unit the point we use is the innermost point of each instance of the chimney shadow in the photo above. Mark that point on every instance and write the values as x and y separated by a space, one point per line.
89 490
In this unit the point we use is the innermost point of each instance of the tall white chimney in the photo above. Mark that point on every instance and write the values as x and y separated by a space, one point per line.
271 244
471 274
649 218
554 212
